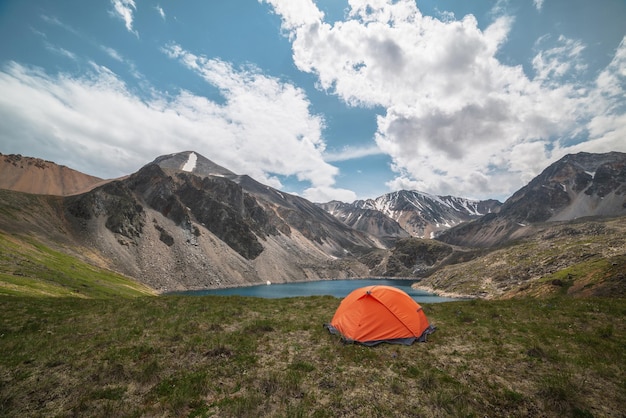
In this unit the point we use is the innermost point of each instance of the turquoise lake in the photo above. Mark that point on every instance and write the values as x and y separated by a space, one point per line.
336 288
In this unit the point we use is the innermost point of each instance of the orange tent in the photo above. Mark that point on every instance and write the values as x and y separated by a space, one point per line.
375 314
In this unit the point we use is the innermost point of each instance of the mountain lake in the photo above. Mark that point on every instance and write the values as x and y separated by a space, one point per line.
336 288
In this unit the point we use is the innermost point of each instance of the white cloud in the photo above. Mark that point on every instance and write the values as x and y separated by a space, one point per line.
538 4
553 64
271 116
124 9
53 20
326 194
112 53
606 106
60 51
296 13
263 129
455 117
351 153
161 12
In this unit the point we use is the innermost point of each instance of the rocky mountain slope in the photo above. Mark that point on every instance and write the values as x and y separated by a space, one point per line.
182 222
577 185
34 175
584 257
409 213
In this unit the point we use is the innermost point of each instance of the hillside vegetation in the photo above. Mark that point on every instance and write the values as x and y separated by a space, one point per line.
246 357
30 268
98 350
545 337
586 257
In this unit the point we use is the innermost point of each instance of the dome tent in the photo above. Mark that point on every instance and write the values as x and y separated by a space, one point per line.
376 314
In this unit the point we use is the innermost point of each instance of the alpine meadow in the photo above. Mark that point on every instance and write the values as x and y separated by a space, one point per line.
313 208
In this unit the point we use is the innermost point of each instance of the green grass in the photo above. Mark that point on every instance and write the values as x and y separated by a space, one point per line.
235 356
76 340
27 267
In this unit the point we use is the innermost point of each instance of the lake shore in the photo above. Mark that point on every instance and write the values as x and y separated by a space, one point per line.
442 293
338 288
244 285
415 285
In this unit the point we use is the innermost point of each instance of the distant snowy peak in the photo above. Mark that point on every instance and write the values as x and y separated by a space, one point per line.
417 213
434 207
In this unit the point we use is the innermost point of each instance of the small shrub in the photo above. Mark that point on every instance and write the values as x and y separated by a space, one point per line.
220 351
149 372
412 371
513 396
259 327
464 318
536 352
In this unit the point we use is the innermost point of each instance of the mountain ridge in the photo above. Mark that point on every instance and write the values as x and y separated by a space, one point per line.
577 185
199 227
410 213
182 222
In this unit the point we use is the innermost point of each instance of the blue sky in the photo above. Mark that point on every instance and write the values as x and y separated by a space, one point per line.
327 99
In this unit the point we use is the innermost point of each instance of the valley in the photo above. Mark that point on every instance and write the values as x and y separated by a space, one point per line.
86 329
177 226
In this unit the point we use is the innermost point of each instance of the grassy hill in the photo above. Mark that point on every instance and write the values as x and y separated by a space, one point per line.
247 357
30 268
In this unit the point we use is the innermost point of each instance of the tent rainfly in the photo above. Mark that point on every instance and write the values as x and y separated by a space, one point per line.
377 314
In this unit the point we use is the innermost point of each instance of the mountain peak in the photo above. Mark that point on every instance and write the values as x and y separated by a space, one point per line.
576 186
410 212
192 162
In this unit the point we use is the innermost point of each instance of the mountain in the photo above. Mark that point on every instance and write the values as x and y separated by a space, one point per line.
34 175
409 213
371 221
578 185
183 222
582 257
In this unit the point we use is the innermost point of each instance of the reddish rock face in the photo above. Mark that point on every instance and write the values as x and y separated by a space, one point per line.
37 176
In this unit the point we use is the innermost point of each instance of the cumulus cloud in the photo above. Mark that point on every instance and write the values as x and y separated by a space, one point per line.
277 113
263 128
124 9
455 117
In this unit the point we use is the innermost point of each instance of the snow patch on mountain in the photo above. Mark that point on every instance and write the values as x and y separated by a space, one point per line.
419 214
191 162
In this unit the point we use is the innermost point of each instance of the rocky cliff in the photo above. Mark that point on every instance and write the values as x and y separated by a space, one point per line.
578 185
409 213
175 226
